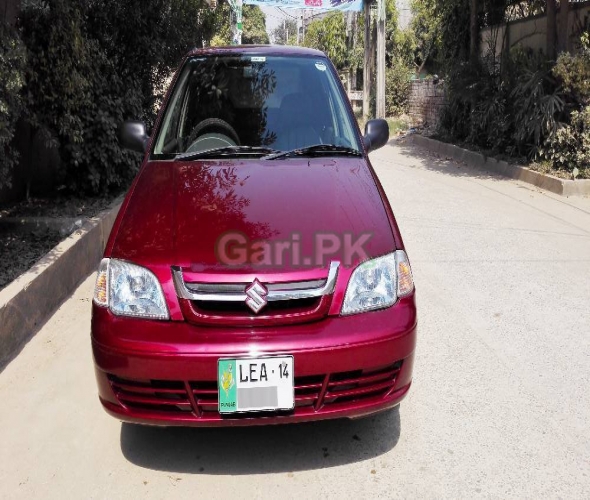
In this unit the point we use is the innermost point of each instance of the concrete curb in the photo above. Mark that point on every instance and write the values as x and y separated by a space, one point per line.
477 160
27 302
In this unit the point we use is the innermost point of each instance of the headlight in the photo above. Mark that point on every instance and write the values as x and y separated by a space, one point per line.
378 283
129 290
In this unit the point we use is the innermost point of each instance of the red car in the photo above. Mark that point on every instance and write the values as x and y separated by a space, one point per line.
255 273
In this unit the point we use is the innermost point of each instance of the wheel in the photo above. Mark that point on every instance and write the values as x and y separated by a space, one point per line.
222 134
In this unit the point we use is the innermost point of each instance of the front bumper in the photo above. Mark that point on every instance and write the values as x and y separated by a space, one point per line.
164 373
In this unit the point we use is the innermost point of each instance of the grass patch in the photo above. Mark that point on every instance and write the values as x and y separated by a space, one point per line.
545 167
397 124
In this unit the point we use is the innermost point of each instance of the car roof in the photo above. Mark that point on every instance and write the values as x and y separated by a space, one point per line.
274 50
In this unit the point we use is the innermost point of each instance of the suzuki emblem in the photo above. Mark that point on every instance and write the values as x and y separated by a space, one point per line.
256 296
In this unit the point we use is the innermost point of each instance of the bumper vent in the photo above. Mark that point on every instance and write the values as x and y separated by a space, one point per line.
314 393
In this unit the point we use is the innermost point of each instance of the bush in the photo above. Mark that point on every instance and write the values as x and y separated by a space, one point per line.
12 61
537 104
573 73
569 147
74 97
397 88
93 65
509 110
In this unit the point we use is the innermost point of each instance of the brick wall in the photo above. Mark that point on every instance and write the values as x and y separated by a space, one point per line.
426 101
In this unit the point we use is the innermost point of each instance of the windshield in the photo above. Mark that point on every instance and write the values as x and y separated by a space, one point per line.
269 102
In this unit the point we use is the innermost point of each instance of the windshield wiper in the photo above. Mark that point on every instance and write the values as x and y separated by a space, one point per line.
225 152
316 150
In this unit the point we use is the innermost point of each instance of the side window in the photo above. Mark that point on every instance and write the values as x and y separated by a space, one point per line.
333 127
167 141
172 132
342 132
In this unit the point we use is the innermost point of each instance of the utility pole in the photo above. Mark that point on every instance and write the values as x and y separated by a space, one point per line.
285 31
303 28
367 61
381 59
236 21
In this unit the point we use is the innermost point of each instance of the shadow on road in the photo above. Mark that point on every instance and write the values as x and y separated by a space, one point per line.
259 450
442 164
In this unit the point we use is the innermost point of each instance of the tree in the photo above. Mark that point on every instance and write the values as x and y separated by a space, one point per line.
254 24
285 33
92 65
426 30
329 36
454 31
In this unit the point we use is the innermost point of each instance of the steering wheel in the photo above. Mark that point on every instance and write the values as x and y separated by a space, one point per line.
227 137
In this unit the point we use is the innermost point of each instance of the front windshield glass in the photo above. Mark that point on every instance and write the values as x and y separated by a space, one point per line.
278 103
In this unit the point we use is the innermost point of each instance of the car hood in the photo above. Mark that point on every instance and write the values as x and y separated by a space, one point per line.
186 214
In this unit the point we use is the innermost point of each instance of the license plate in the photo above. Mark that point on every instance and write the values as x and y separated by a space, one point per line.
255 384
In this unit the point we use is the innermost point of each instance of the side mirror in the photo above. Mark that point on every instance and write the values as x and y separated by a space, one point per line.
133 136
376 134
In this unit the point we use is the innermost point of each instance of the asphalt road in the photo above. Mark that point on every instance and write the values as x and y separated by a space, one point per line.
500 404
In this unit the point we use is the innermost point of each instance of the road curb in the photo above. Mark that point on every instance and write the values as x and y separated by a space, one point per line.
29 301
556 185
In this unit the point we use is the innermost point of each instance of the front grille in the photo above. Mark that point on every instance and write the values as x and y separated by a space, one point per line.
238 314
281 303
199 399
279 307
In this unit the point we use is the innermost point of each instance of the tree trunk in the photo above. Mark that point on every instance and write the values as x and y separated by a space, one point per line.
473 31
563 38
551 29
367 62
380 101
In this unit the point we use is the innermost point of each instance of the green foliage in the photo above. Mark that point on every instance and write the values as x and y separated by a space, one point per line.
223 34
426 30
356 43
537 103
569 147
329 36
453 19
146 40
573 72
520 105
397 88
253 22
60 80
93 65
513 111
399 47
12 62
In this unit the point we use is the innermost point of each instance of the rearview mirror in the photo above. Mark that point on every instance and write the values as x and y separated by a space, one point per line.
376 134
133 136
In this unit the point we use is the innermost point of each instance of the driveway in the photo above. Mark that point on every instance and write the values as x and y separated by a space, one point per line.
500 405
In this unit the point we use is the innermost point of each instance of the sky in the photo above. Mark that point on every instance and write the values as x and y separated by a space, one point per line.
274 16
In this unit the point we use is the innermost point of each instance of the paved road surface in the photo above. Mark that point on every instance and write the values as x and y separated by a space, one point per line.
500 405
